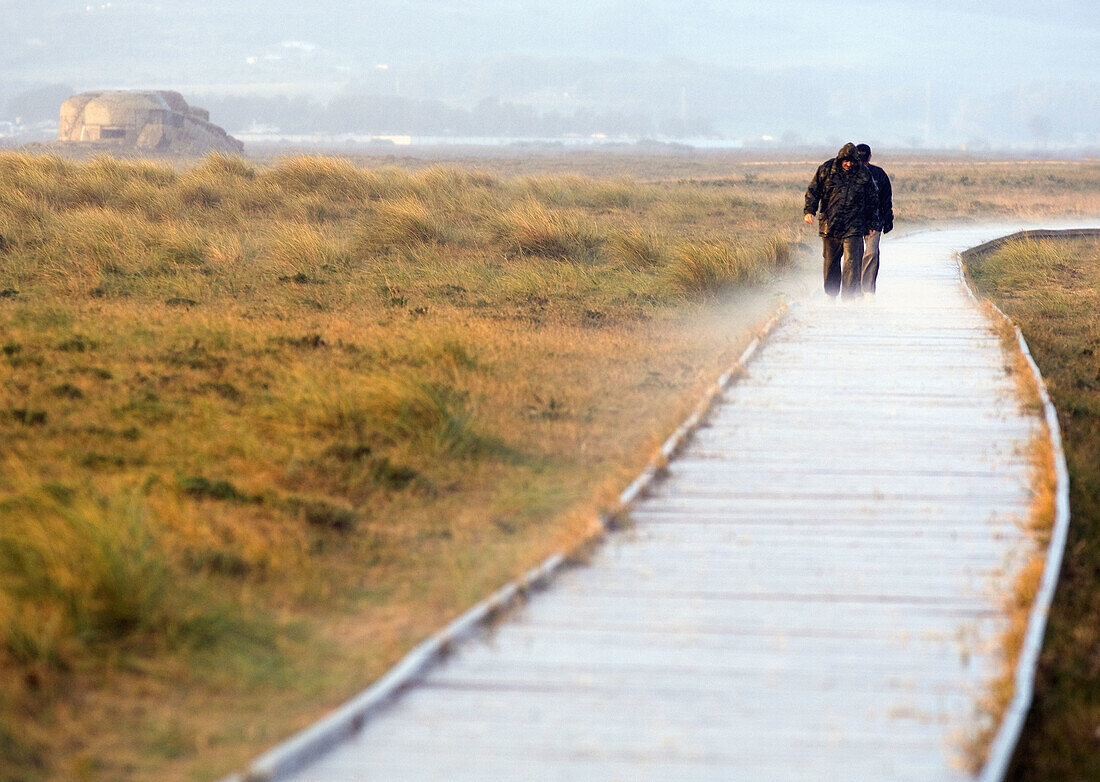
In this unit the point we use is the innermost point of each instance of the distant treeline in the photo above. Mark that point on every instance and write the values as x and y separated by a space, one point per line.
392 114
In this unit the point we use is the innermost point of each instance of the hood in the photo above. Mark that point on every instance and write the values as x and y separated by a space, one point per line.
848 152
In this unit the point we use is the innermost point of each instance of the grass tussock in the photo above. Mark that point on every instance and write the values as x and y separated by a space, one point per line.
636 248
299 252
708 268
531 229
86 579
335 179
1051 289
402 223
400 409
89 577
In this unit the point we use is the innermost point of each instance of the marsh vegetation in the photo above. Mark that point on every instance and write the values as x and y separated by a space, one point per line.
267 425
259 415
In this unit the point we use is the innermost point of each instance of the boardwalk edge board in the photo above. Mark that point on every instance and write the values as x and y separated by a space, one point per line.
347 720
678 439
1012 722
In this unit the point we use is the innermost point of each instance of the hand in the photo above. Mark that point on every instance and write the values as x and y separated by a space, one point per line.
872 232
808 219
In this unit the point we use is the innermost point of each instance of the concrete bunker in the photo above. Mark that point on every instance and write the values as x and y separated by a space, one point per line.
155 120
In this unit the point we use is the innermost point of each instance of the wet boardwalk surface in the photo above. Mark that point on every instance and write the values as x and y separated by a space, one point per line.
812 593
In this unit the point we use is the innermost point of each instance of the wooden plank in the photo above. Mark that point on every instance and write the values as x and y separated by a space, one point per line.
812 592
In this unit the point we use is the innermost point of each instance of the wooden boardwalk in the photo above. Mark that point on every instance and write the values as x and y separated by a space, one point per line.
813 593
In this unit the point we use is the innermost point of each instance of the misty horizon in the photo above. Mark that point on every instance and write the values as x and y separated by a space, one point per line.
937 75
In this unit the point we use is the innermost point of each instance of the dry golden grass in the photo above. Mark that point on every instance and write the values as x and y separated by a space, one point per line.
1016 365
1020 598
260 416
252 413
926 190
637 248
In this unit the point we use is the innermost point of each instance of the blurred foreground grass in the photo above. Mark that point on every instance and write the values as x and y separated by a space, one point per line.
266 427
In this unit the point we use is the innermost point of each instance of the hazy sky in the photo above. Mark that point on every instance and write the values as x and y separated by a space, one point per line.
1059 40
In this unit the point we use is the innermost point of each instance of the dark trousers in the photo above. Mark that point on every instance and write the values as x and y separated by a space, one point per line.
842 277
870 261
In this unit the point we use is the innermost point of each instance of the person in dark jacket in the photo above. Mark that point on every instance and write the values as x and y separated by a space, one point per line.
884 220
843 192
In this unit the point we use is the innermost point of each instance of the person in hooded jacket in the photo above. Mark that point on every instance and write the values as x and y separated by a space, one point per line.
884 219
843 194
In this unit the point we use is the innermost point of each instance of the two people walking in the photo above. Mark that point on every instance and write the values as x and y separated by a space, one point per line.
853 203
